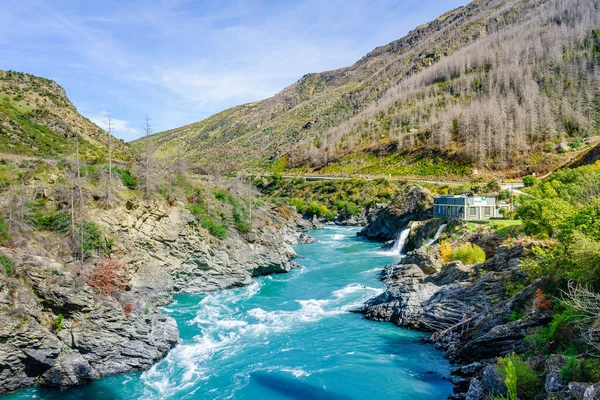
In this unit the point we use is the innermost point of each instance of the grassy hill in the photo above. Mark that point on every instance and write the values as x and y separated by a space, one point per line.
37 119
504 87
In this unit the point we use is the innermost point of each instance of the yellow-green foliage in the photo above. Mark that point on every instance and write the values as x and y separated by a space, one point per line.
445 251
339 197
469 254
520 379
581 370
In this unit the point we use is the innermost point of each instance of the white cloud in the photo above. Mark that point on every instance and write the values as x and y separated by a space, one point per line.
182 60
120 127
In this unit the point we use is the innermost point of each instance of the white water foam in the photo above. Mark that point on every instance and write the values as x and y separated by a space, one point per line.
372 271
437 235
398 246
297 372
223 329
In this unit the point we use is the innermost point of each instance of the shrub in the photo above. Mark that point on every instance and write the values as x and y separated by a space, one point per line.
58 322
90 239
127 308
243 226
469 254
529 180
107 276
56 221
493 186
221 194
7 264
520 376
239 220
541 301
503 195
127 178
581 370
347 208
4 228
300 205
218 230
317 209
445 251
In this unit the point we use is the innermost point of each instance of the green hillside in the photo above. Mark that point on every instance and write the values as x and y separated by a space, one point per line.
37 119
503 87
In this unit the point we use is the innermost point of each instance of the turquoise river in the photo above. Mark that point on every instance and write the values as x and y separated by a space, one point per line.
289 336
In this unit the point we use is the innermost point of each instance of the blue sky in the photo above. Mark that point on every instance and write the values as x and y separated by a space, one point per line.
182 60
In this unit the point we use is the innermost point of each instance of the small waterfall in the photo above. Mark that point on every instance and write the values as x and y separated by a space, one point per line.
400 241
437 235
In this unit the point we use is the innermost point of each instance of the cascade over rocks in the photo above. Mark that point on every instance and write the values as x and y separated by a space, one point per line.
468 309
414 203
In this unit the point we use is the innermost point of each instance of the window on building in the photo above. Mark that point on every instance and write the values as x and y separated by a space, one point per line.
487 211
472 212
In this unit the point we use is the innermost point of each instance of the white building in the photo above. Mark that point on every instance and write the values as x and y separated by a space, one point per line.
466 207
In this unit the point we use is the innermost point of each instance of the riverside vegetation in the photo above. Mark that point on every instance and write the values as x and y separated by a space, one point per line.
95 237
515 303
97 234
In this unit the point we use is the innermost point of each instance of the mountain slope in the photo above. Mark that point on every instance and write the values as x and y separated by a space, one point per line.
502 86
37 119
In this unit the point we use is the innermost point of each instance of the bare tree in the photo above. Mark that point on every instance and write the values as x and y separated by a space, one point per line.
587 303
108 197
147 152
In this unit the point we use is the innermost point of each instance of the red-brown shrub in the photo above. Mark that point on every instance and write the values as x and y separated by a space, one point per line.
541 301
107 276
127 308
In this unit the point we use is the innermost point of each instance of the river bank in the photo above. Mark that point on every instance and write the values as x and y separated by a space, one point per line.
288 335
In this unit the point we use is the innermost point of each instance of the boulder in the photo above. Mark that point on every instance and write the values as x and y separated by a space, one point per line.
492 382
476 391
454 271
592 392
554 381
402 302
577 389
428 260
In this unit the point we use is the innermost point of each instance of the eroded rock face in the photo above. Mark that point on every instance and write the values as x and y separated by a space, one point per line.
95 338
402 303
413 204
592 393
56 330
168 253
468 308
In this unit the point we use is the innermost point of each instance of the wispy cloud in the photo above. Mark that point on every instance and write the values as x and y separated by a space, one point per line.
119 127
183 60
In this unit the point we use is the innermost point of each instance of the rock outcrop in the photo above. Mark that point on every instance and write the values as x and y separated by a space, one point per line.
58 329
468 309
55 330
166 252
414 203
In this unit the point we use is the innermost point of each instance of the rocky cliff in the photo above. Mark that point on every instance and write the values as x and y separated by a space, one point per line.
167 253
55 330
474 315
59 329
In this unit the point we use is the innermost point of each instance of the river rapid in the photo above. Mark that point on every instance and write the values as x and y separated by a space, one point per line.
289 336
